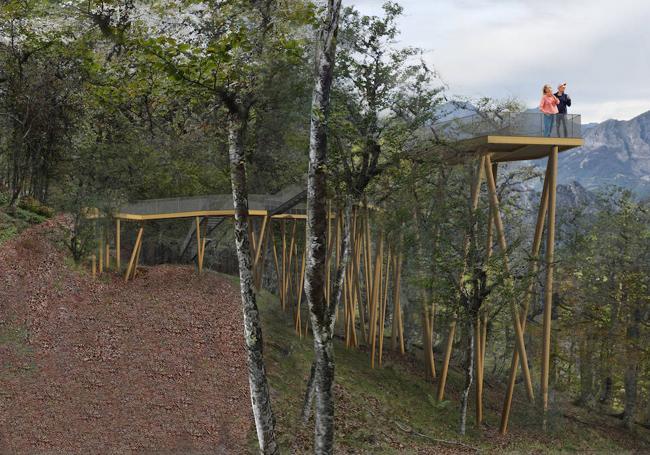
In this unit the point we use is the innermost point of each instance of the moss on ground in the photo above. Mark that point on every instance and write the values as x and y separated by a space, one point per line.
393 410
14 220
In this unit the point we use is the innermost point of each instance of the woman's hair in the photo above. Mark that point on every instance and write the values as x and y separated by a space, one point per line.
546 86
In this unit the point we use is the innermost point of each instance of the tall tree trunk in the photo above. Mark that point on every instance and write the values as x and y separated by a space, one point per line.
586 367
468 366
632 366
606 386
322 314
259 389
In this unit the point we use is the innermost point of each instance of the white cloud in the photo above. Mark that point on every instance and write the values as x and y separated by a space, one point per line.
512 47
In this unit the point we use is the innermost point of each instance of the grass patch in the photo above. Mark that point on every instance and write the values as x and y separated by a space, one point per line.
17 355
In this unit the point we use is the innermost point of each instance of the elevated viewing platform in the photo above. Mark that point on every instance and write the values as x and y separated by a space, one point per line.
510 136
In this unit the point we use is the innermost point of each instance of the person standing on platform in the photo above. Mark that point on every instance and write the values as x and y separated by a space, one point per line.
565 101
548 105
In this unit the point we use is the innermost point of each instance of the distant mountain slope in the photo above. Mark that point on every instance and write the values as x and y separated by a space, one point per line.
615 153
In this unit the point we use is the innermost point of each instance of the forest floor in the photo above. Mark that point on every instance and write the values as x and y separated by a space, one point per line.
101 366
157 366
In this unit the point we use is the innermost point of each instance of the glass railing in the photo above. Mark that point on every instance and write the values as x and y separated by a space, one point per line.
535 124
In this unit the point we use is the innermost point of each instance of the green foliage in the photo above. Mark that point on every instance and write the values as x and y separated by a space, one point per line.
33 205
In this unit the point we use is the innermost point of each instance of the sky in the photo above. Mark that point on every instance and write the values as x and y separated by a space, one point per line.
511 48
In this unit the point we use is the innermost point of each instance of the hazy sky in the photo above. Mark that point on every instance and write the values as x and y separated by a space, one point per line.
504 48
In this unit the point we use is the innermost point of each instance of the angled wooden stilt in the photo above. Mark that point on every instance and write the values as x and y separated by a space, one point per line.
375 300
137 259
384 304
519 334
130 267
537 242
259 256
475 192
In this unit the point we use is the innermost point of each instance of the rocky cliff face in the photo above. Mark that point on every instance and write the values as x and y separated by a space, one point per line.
615 153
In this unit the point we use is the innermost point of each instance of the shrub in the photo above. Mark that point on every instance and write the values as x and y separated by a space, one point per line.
35 206
27 215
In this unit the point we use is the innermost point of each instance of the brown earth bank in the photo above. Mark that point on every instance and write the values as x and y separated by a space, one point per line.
102 366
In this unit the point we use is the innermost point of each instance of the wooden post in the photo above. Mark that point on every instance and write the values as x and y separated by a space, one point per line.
100 248
548 295
275 260
478 359
133 254
375 299
475 192
537 241
198 243
118 234
397 302
259 256
384 304
299 288
481 323
283 296
108 255
519 334
137 259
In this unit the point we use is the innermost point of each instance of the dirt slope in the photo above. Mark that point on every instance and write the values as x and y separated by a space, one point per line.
156 365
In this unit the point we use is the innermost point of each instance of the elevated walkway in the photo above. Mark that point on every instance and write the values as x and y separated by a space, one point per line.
288 203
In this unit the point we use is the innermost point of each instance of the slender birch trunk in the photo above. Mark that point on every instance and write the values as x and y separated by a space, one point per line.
259 389
469 373
322 314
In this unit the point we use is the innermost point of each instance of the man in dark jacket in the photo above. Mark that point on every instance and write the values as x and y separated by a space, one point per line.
565 101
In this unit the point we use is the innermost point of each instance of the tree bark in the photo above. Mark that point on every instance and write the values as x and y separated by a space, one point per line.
322 314
632 366
259 389
469 373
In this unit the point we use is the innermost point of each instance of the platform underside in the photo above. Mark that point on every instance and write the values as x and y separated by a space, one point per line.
510 148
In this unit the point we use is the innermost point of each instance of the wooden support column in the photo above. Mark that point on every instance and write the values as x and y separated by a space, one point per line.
108 255
198 243
134 253
548 295
275 260
118 235
376 281
481 323
283 297
519 334
299 289
384 304
397 335
100 248
259 254
137 259
537 242
475 192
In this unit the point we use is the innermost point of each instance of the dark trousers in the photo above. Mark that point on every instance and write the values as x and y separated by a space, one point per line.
560 119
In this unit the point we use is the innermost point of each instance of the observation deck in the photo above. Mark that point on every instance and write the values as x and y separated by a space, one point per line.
509 136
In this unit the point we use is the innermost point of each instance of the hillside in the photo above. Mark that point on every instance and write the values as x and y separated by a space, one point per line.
98 366
158 365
